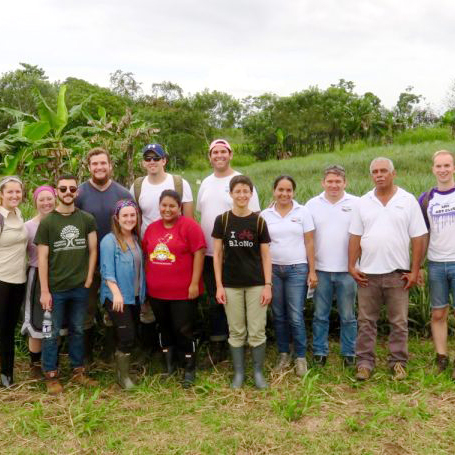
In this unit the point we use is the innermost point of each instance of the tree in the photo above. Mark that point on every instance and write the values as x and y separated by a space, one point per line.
405 108
167 91
95 96
16 91
124 84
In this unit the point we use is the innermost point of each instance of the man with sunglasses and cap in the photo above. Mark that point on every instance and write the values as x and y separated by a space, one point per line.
147 190
67 254
331 211
213 199
98 196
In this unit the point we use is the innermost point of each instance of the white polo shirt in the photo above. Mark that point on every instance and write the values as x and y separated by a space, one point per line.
386 230
213 199
288 245
331 237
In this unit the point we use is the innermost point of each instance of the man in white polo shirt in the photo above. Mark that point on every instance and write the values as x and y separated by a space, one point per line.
213 199
331 212
384 222
438 207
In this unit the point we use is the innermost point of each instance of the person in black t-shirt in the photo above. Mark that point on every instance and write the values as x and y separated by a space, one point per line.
243 274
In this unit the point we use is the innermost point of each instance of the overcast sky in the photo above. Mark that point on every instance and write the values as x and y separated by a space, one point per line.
240 47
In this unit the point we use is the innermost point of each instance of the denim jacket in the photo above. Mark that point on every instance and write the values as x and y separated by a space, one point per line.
118 266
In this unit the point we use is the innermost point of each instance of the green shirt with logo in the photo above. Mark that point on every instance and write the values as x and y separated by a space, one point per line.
67 239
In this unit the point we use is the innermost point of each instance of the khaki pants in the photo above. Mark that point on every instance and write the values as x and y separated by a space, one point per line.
246 316
386 289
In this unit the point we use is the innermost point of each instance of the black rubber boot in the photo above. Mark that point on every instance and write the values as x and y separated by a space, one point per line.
258 354
7 366
122 364
190 370
169 358
238 362
108 349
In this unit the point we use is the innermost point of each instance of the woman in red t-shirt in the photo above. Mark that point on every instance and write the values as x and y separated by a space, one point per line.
175 247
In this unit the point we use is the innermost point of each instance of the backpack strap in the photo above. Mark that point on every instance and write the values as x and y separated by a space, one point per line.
178 184
260 225
424 205
2 223
137 187
224 221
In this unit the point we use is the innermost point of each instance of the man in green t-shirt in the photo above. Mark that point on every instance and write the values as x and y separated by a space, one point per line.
67 250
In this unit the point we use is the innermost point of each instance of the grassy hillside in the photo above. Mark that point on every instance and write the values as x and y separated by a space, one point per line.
412 163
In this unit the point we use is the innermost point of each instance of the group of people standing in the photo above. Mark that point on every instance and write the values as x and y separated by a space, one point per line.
141 255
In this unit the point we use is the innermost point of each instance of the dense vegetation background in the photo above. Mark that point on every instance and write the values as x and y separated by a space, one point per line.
47 126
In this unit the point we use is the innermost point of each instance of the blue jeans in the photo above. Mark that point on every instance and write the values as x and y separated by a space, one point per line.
288 303
441 276
345 289
73 303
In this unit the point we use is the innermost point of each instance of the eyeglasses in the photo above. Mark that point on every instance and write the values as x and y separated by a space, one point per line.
152 158
64 189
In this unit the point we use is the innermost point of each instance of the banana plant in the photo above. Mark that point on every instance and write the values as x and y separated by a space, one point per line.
41 146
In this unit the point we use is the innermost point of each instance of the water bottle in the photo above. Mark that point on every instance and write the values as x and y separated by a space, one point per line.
47 324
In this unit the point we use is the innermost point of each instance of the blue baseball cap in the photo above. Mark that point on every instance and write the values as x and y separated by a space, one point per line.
154 148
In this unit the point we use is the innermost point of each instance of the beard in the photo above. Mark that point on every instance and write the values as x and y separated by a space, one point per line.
101 182
64 202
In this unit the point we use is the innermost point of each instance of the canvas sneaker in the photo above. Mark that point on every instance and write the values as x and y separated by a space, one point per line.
363 374
301 366
284 361
399 373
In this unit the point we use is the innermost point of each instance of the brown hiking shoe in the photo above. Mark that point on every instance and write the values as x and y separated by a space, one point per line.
399 372
363 374
442 362
52 383
80 377
35 370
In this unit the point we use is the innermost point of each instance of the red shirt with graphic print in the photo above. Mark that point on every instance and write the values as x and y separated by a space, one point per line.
169 258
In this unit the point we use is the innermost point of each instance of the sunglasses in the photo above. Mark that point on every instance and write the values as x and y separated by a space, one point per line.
152 158
64 189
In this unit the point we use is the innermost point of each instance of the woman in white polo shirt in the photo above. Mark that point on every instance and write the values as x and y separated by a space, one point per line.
13 261
291 229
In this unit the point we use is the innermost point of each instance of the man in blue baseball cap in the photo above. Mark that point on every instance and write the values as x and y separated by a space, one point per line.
147 190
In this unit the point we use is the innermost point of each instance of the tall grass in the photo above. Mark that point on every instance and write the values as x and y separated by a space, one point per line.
413 166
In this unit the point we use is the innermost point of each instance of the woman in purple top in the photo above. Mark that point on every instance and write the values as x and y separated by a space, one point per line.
44 197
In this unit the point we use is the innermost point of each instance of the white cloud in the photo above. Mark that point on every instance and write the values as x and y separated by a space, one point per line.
239 47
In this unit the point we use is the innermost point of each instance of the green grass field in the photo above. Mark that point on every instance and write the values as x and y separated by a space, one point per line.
326 412
412 163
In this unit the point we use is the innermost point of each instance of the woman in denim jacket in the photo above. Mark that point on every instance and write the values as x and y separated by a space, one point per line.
123 282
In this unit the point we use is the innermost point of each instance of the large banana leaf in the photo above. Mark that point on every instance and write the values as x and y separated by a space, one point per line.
37 130
18 115
57 121
62 111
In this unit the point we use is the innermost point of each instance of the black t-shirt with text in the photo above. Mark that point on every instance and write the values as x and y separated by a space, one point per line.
242 264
